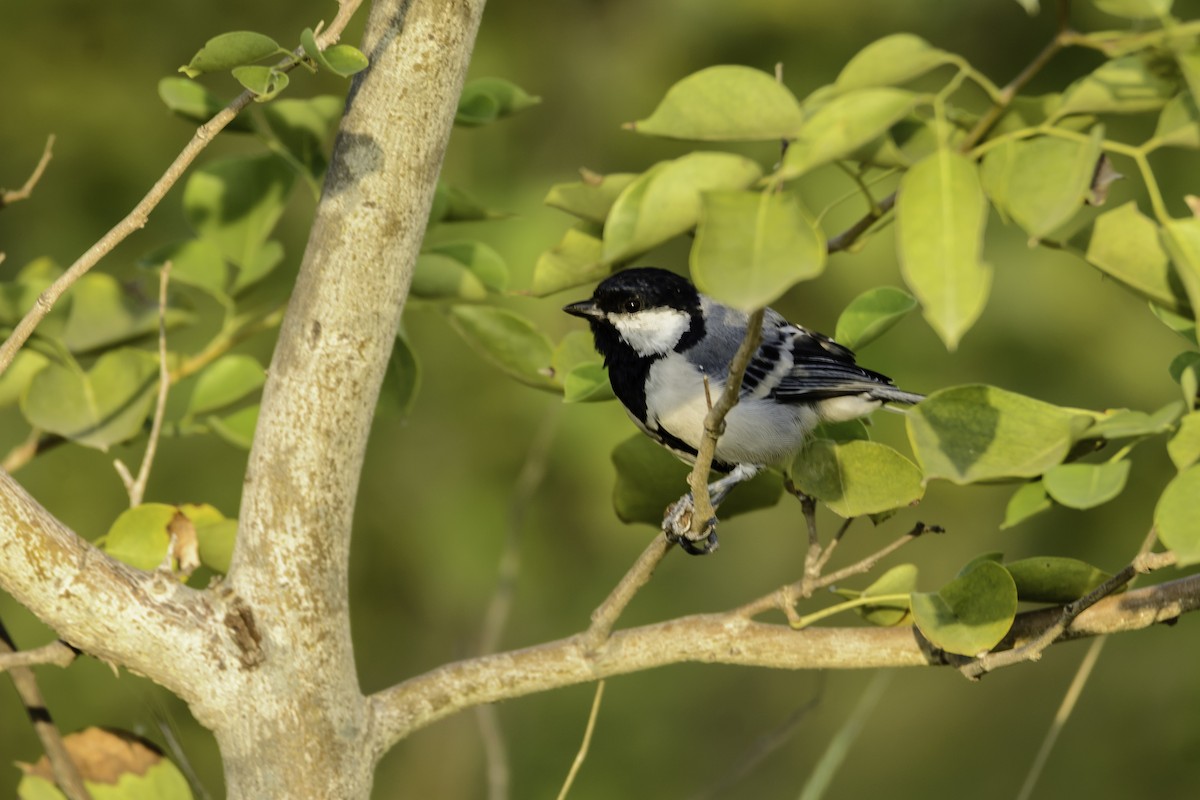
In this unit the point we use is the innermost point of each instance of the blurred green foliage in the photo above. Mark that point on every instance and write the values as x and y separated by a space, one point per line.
437 493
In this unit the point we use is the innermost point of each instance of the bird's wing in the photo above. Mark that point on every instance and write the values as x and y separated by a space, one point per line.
796 365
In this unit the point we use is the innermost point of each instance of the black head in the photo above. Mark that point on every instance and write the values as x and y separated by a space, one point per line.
642 313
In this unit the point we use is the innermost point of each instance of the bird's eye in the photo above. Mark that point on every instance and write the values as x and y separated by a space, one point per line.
632 305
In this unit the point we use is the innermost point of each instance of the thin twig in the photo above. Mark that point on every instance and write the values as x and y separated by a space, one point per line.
137 487
136 219
587 741
12 196
66 775
835 753
1032 650
606 614
714 425
530 478
57 654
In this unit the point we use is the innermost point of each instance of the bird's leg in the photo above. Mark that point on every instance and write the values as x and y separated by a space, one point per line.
677 524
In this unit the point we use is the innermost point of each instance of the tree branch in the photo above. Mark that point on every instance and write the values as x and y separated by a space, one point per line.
14 195
730 638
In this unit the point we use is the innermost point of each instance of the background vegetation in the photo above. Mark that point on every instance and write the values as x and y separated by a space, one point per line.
437 495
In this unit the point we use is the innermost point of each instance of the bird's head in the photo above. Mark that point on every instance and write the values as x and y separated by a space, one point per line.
646 310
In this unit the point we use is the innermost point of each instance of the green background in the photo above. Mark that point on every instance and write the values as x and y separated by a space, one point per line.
435 502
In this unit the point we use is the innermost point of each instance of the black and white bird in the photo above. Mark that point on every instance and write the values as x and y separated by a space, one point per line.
660 338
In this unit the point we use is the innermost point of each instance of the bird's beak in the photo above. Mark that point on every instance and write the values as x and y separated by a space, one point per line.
584 308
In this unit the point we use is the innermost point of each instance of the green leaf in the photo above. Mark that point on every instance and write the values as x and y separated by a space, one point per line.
576 260
1125 245
872 314
140 535
1125 85
508 340
197 104
235 202
1040 183
842 125
848 431
1025 502
344 60
160 781
1177 516
98 408
451 204
650 478
579 371
1181 238
857 477
1086 485
260 264
973 433
266 82
1184 326
591 198
751 247
20 372
1184 369
665 200
237 428
224 382
1179 123
900 579
480 259
940 217
1123 423
486 100
440 277
892 60
194 262
215 535
104 312
722 104
305 127
403 377
971 614
231 50
1135 9
1051 579
1184 446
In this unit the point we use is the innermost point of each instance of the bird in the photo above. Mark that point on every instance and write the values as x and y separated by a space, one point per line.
668 348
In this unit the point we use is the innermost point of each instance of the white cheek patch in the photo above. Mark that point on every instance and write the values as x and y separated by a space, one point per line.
652 332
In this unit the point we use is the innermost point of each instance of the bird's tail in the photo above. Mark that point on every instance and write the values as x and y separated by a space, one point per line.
890 394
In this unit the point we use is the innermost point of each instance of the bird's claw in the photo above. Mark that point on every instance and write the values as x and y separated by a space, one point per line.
677 527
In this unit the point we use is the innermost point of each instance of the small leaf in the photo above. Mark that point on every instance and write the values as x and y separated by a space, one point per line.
650 478
1179 123
725 103
576 260
1177 516
195 103
224 382
892 60
345 60
231 50
1184 326
266 82
486 100
587 383
1135 9
403 377
1125 245
900 579
857 477
1051 579
1184 369
194 262
1123 85
872 314
451 204
1041 183
971 614
16 378
98 408
1181 238
105 312
940 217
480 259
1025 502
215 535
751 247
237 428
140 536
1124 424
589 199
440 277
974 433
508 340
1184 446
305 127
842 125
1086 485
848 431
665 200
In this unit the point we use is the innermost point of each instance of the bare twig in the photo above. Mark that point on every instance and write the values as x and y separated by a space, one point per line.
714 426
585 744
66 775
14 195
528 480
606 614
136 219
136 487
57 654
835 753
